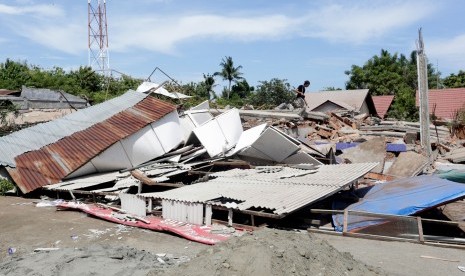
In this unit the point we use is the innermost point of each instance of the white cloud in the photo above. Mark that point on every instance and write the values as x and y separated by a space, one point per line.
38 10
448 53
358 24
69 38
164 34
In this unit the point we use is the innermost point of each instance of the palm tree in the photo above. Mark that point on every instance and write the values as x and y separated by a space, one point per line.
209 81
229 72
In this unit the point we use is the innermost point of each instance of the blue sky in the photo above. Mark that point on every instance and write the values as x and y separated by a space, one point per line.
294 40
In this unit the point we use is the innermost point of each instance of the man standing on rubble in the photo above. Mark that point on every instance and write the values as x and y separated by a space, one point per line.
300 97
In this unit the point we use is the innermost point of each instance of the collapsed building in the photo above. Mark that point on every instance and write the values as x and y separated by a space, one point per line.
192 168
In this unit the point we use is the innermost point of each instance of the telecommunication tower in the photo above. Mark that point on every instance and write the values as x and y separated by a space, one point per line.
99 59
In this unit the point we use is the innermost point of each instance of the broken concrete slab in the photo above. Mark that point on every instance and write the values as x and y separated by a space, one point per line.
456 155
408 164
373 150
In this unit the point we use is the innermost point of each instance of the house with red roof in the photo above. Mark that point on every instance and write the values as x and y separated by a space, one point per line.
444 103
382 104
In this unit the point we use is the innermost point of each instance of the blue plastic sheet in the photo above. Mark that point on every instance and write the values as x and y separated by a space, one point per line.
403 197
392 147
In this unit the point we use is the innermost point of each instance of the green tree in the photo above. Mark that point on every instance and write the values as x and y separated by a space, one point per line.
455 81
242 89
13 74
272 93
229 72
391 74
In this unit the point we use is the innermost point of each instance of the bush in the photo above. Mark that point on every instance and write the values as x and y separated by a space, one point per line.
5 186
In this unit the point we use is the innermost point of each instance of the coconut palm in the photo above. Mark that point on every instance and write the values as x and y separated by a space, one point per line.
209 82
229 72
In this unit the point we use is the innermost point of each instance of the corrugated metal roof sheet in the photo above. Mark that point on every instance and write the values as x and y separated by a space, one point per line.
445 102
353 98
35 137
84 182
382 104
55 161
48 95
281 189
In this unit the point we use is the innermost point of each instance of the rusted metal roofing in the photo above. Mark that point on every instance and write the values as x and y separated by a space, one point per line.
444 102
281 190
53 162
40 135
382 104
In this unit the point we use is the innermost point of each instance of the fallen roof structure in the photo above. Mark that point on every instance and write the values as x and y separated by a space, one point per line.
120 133
406 196
271 191
269 144
359 100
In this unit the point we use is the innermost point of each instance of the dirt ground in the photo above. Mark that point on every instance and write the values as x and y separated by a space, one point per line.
43 241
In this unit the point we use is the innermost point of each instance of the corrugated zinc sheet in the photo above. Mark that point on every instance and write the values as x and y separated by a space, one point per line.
279 189
53 162
84 182
35 137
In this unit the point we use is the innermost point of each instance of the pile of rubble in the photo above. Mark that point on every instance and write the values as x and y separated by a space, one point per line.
201 166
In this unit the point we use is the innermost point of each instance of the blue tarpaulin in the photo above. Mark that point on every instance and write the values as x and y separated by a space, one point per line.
403 197
392 147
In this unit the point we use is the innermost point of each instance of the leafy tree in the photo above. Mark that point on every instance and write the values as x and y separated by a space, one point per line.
229 72
455 81
392 74
13 74
242 89
272 93
83 82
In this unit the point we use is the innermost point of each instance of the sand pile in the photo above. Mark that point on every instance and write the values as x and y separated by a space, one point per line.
273 252
95 260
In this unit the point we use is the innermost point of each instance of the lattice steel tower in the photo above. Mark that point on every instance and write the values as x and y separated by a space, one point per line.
99 59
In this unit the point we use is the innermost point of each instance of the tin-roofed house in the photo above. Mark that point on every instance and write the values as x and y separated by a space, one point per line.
41 98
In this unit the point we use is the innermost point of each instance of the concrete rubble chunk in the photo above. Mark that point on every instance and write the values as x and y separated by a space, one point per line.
373 150
407 164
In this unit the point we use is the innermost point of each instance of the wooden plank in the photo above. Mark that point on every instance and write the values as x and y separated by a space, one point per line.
150 182
324 133
344 228
379 176
420 231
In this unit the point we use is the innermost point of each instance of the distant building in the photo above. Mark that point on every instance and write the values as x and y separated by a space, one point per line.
358 100
40 98
382 104
444 103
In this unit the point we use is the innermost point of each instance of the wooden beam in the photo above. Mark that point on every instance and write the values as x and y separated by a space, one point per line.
420 231
249 212
150 182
